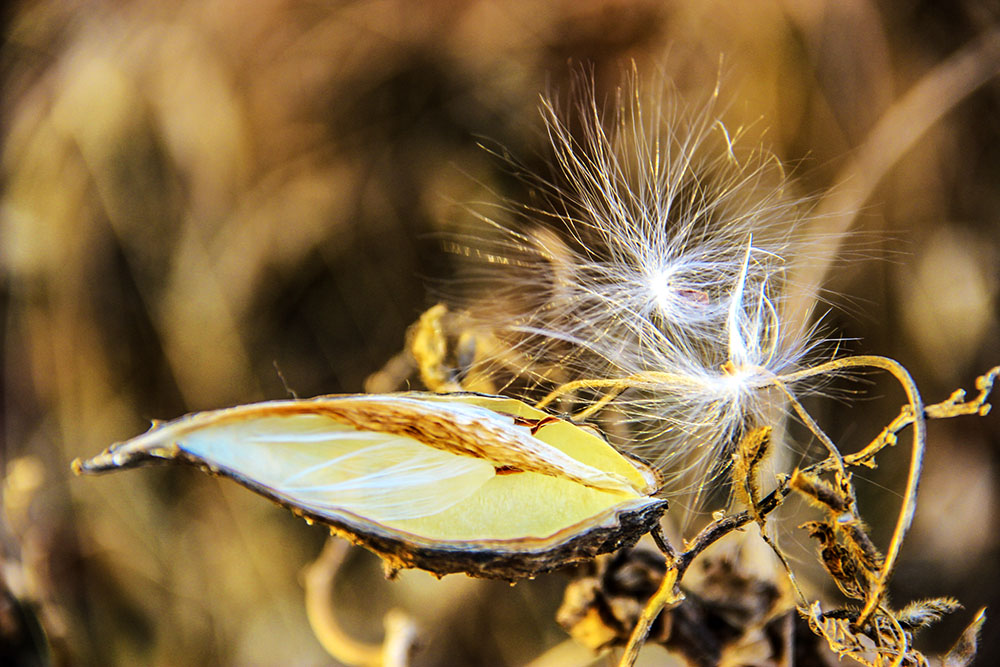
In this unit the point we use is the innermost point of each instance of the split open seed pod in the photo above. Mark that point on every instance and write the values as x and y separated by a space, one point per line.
484 485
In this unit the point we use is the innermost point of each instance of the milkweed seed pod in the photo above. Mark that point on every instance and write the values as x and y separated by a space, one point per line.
447 483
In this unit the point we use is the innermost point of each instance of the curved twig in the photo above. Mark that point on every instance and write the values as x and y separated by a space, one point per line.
916 460
400 632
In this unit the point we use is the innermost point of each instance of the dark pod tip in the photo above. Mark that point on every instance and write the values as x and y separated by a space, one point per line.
113 458
103 462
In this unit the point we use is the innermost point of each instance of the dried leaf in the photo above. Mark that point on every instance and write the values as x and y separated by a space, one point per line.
819 492
752 451
838 561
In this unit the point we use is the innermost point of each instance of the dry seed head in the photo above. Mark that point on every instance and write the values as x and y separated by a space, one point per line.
922 613
656 257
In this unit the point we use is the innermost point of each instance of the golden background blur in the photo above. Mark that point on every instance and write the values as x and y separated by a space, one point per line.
198 193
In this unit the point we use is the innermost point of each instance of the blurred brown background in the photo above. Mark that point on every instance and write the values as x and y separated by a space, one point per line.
195 193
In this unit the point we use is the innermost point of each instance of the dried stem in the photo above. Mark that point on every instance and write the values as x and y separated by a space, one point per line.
614 386
400 632
811 424
953 406
666 596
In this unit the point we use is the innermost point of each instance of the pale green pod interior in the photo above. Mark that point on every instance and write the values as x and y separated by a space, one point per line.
297 453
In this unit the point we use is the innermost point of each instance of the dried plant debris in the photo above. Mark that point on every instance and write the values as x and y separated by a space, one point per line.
857 567
820 493
606 597
873 634
852 580
885 641
728 618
